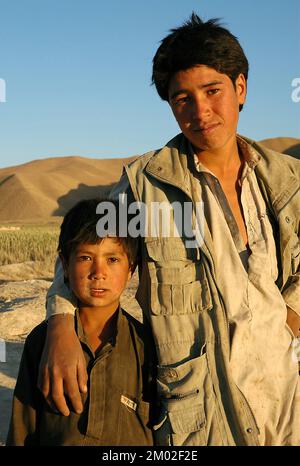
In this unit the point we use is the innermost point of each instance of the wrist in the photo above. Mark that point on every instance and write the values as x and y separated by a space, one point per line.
61 320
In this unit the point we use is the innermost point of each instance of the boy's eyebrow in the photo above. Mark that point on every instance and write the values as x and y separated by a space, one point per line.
202 86
108 253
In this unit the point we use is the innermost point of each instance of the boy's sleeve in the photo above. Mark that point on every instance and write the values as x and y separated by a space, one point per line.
23 422
59 299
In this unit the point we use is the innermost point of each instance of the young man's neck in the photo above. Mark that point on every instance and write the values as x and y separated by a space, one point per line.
99 325
222 162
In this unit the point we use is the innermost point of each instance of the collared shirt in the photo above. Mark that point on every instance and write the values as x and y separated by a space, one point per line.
262 359
117 407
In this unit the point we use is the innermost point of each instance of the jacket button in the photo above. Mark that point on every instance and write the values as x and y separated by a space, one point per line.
287 219
172 374
159 169
249 430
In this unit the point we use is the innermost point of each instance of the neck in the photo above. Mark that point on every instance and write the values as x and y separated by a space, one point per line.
221 161
98 325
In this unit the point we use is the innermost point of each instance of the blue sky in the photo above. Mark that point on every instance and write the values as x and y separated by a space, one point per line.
78 72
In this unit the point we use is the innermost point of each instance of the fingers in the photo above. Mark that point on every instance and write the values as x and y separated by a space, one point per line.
71 389
82 376
44 379
57 400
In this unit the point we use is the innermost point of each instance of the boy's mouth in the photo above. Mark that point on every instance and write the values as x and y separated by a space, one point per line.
97 291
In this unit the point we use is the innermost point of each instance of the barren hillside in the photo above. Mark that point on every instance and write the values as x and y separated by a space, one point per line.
43 190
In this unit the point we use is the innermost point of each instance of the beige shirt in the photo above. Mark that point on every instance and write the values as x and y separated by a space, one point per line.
262 357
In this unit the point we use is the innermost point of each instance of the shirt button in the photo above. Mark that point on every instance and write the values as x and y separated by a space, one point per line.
249 430
287 219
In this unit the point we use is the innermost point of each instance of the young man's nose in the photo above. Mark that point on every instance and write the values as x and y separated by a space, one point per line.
200 108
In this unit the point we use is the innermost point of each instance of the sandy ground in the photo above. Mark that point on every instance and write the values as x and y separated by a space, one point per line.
22 307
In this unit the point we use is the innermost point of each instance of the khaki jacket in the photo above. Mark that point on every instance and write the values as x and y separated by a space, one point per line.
178 292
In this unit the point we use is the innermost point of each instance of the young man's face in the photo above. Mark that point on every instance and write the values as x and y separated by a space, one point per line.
206 106
98 274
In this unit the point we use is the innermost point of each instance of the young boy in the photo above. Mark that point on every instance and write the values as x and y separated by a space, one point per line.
117 351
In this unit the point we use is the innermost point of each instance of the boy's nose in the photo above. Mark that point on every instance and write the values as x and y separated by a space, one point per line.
98 271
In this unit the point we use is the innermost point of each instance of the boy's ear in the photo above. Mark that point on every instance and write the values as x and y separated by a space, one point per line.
65 266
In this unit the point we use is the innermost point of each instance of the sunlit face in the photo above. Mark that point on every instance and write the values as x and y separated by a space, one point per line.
206 106
98 274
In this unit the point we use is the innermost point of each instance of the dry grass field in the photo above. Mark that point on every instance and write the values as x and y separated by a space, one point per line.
28 243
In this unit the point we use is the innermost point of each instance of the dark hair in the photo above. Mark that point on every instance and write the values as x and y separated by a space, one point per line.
198 43
79 226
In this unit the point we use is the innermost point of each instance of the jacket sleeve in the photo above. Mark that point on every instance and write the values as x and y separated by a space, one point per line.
59 299
291 295
122 188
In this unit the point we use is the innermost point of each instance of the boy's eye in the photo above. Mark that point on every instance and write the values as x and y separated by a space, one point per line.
113 260
84 258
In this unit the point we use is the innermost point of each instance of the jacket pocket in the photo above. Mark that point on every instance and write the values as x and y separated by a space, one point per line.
177 278
178 290
186 422
186 392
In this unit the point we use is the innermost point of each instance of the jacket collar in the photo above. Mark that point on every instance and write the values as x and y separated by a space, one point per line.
172 163
277 180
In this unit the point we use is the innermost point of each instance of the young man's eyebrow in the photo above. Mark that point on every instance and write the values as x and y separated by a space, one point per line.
202 86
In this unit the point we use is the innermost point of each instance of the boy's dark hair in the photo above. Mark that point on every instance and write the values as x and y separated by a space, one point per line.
79 226
198 43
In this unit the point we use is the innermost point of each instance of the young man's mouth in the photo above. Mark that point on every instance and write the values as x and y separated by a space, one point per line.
206 129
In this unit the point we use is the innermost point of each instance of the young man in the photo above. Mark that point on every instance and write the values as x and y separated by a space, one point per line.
117 352
225 312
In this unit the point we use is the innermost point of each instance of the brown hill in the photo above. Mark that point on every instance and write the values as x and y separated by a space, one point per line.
43 190
290 146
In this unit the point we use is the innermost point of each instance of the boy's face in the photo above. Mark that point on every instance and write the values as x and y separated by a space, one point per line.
206 106
98 274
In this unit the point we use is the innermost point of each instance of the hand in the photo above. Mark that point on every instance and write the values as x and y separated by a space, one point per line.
293 321
62 368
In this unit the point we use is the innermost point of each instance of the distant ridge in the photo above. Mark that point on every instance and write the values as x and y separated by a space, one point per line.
289 146
43 190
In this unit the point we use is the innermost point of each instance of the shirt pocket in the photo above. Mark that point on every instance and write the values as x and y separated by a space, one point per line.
177 278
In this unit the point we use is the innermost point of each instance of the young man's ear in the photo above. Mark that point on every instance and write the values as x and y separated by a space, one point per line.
241 88
65 267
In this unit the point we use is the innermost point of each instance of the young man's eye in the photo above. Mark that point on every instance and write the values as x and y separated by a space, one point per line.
213 91
83 258
181 100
